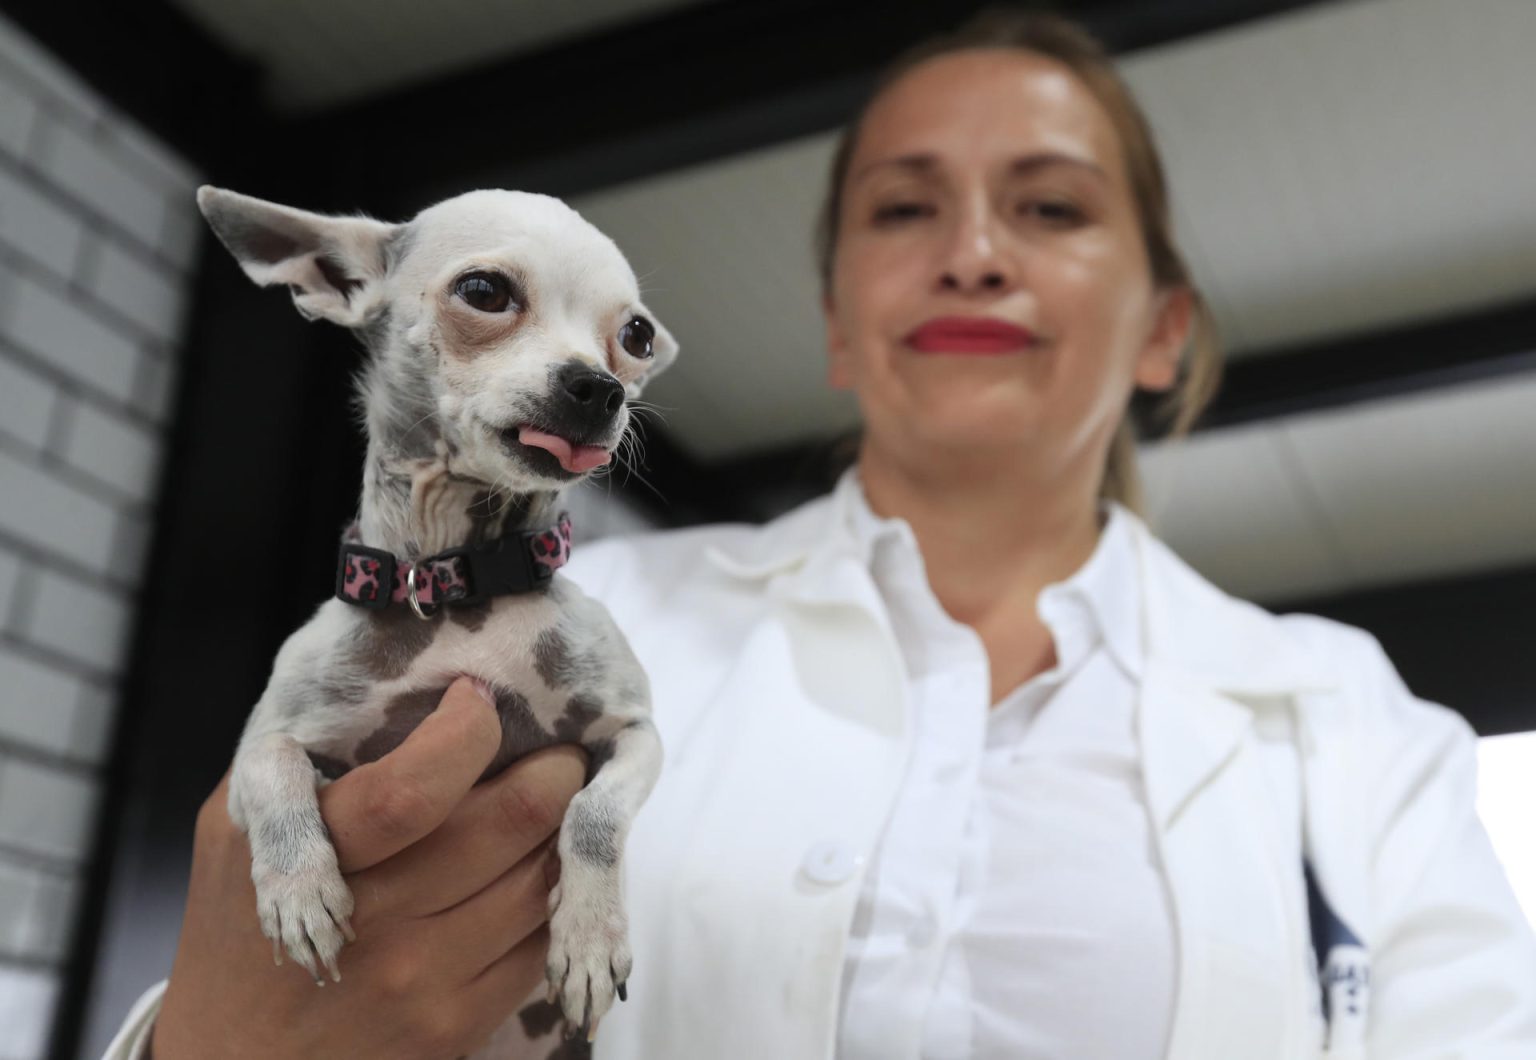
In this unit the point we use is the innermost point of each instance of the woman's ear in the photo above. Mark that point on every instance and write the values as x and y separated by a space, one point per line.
839 370
1157 364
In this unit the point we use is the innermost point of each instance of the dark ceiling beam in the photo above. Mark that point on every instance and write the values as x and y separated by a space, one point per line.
690 85
1464 641
1403 359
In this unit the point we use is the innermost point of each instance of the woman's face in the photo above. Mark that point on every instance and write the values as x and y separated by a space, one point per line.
991 291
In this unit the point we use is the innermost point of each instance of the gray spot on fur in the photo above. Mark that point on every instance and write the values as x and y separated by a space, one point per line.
339 687
485 516
288 837
552 659
397 391
520 731
558 664
580 711
375 330
599 753
330 768
401 716
594 831
577 1048
396 487
387 642
470 616
398 246
539 1018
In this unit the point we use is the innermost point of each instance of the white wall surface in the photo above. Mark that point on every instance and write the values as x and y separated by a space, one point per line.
98 229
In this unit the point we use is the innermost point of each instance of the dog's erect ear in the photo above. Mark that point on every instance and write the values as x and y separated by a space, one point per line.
663 353
334 265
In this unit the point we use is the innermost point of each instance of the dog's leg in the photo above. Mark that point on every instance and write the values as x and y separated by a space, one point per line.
303 902
589 955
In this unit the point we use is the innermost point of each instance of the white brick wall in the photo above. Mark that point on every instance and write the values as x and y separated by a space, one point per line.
98 232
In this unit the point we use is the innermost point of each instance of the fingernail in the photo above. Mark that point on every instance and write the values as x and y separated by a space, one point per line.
485 692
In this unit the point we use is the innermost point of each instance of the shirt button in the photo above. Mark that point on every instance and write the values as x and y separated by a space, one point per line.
830 862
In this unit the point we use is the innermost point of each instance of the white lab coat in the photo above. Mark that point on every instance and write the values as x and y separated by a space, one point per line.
780 701
780 698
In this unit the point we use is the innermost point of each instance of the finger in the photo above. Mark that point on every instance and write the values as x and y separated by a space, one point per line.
515 983
494 828
485 927
380 808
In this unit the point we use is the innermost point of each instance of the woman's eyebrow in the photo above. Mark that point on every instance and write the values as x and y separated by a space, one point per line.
923 163
1032 163
926 163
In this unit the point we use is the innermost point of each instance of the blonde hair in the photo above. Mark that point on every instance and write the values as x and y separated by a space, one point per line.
1069 44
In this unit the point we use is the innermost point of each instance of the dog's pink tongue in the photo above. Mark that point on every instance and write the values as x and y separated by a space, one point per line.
574 458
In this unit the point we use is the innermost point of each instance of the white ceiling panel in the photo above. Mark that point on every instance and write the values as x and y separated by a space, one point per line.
724 256
1230 504
1352 165
1436 483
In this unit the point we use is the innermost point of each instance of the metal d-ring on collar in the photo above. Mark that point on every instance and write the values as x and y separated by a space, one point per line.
410 585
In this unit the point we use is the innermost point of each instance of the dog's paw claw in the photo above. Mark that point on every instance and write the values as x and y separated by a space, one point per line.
588 959
622 991
307 913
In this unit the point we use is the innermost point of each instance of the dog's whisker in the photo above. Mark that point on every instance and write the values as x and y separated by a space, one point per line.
632 471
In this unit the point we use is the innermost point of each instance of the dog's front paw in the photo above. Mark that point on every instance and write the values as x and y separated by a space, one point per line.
589 956
306 912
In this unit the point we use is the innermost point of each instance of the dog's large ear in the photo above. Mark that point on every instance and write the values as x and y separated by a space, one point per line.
335 266
663 353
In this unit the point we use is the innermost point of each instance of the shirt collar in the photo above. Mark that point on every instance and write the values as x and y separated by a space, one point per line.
1099 602
1187 623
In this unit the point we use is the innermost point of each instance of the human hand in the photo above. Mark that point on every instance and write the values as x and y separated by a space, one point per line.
451 883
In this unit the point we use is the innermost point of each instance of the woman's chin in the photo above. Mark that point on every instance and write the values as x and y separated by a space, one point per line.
971 439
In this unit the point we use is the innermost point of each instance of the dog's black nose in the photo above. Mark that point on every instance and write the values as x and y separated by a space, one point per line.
593 393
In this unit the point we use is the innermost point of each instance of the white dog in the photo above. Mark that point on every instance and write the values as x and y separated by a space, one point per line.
505 335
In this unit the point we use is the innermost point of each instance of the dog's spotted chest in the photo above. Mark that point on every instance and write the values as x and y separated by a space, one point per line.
550 694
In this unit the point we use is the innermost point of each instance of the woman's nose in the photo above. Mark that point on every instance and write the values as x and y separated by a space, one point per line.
976 261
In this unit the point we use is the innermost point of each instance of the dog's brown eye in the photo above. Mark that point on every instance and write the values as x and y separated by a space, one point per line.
485 291
636 338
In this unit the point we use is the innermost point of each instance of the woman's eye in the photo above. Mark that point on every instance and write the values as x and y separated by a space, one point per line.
636 338
488 292
901 211
1052 211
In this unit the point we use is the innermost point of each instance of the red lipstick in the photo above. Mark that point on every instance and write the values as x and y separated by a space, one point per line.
974 335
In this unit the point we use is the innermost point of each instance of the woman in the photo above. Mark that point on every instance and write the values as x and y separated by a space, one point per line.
961 760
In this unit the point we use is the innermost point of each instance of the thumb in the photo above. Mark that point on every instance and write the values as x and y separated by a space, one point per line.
382 807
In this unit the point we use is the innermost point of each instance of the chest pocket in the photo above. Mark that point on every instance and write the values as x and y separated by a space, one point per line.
1337 962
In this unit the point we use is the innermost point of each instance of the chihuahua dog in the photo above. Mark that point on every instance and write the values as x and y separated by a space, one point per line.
506 337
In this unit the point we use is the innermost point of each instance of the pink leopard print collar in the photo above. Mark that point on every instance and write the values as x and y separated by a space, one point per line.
517 563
